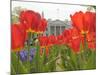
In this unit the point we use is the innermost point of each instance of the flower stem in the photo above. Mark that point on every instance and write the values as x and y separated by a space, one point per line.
29 40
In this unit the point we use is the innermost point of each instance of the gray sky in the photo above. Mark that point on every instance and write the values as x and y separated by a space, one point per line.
53 11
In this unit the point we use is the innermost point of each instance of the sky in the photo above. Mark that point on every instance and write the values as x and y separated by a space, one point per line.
51 11
91 2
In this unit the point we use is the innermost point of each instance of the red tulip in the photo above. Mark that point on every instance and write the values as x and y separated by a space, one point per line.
92 45
91 40
90 19
17 37
23 30
60 39
75 45
30 19
75 40
42 26
84 22
43 41
52 39
72 39
44 44
67 35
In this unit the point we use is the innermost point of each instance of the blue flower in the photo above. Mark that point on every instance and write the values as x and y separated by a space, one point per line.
24 54
32 53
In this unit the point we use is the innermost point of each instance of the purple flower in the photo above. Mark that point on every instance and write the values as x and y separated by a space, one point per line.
32 53
24 54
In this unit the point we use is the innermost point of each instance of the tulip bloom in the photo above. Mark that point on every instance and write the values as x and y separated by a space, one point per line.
43 40
17 37
44 44
72 39
91 40
60 39
75 44
42 26
84 22
75 40
33 21
67 36
30 19
52 39
23 30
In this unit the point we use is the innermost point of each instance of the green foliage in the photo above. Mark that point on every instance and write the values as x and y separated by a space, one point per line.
60 58
16 65
14 19
94 7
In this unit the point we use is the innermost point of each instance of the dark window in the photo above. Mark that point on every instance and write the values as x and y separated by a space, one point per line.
57 30
52 30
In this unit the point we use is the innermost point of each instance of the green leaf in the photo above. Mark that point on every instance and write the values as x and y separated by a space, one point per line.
12 70
17 64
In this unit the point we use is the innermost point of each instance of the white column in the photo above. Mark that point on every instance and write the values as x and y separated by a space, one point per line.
60 30
55 30
49 30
